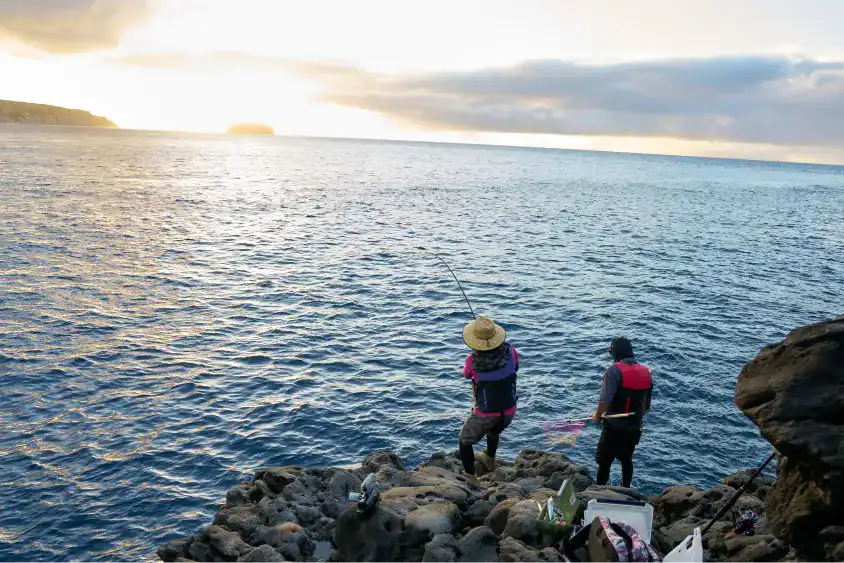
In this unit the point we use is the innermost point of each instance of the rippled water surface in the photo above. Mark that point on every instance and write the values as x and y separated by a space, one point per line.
177 310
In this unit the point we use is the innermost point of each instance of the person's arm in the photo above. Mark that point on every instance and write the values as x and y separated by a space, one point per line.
468 372
648 398
515 357
600 412
609 388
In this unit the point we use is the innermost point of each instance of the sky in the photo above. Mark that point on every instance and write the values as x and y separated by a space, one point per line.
733 78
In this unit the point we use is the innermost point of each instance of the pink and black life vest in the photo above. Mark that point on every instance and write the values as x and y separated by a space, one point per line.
633 392
495 391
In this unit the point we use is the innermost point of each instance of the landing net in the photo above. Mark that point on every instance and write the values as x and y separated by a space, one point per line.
562 432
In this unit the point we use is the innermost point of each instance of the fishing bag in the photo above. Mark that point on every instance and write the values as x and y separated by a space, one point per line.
610 541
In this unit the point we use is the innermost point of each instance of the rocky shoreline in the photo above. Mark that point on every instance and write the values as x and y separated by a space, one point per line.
794 392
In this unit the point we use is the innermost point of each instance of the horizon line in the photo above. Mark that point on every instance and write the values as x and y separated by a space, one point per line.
449 143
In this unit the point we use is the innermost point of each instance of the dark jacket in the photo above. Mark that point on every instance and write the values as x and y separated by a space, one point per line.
609 391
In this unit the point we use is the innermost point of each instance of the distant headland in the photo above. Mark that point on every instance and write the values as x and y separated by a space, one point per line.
42 114
250 129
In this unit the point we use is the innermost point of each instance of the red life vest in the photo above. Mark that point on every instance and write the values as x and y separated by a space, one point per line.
633 392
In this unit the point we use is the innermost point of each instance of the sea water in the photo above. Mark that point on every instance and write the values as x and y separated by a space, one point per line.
177 310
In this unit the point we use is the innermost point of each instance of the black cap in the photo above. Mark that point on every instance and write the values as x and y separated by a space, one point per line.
621 348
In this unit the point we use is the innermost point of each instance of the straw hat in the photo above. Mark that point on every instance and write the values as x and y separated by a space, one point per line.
483 334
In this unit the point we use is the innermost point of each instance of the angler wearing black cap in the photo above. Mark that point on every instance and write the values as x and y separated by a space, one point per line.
627 388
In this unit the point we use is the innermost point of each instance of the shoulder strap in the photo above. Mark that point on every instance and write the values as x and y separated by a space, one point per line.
628 541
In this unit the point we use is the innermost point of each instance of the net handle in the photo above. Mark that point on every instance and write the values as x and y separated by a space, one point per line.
606 416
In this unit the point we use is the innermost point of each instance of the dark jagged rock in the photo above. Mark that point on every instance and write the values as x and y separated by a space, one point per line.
274 511
609 491
263 553
435 476
276 478
529 484
228 544
243 494
580 480
401 506
552 468
504 474
477 514
300 491
379 459
512 549
428 493
741 478
441 517
505 491
200 551
755 548
497 519
288 538
373 539
794 392
450 461
172 550
480 544
679 502
522 521
540 463
442 547
762 492
243 519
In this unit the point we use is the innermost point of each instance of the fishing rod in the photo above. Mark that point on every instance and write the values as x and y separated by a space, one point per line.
737 494
438 257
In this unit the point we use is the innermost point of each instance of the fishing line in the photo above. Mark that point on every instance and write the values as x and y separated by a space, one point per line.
438 257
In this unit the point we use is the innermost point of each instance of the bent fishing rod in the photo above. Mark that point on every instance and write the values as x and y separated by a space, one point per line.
438 257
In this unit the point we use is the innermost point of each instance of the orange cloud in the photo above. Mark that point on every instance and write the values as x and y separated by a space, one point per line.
70 26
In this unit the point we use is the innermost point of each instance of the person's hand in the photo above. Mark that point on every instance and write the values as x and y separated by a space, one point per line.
596 418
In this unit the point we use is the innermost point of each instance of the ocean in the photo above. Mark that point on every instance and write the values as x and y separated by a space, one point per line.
178 310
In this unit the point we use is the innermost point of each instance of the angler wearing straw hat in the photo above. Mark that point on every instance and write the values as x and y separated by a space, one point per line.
492 367
627 388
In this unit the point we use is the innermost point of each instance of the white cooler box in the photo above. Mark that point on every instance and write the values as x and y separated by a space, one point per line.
637 515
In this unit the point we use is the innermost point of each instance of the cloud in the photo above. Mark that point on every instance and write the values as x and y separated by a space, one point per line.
753 99
740 99
70 26
228 60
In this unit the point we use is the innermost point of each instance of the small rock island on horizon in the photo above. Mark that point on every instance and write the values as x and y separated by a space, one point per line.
249 129
43 114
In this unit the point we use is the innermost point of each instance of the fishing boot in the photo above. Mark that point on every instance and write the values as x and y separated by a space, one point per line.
486 460
487 457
